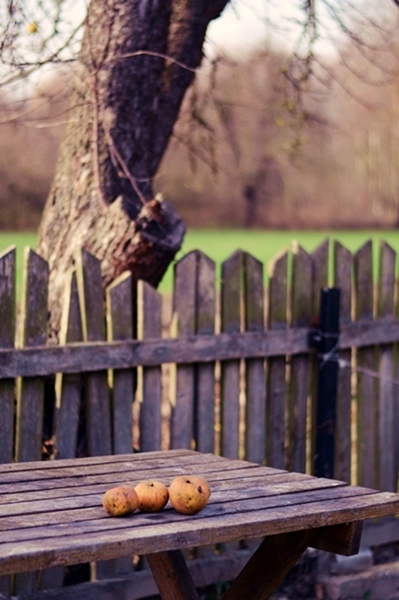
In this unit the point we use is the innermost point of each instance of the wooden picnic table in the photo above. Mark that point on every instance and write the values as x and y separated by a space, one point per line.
51 514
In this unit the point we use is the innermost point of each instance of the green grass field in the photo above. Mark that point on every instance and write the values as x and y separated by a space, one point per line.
219 244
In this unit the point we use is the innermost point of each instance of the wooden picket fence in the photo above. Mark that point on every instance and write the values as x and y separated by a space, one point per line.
233 372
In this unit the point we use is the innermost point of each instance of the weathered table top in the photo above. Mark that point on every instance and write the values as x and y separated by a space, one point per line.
51 512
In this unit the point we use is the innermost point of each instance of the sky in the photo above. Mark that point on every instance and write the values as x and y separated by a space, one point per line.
240 28
246 24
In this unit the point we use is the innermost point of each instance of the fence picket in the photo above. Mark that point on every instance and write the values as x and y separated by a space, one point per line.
120 319
301 310
205 407
30 390
387 477
367 406
277 382
7 340
343 279
98 415
149 307
184 302
205 381
231 295
194 308
319 275
7 386
33 332
69 386
255 435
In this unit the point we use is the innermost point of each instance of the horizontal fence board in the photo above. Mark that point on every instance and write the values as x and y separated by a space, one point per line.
97 356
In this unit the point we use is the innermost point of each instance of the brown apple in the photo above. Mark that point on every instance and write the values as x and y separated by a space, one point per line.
189 494
120 500
153 495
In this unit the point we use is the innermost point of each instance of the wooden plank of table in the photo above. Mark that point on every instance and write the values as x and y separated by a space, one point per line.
74 504
167 531
168 455
23 492
74 527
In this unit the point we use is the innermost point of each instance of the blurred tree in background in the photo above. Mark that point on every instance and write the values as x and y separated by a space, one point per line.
295 134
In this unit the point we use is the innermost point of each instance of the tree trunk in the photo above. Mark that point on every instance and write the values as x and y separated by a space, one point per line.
137 60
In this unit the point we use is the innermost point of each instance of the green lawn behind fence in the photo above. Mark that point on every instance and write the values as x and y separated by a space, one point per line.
219 244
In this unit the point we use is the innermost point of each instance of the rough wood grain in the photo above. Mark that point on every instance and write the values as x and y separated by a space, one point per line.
69 386
367 406
255 432
120 297
98 415
97 356
231 298
149 308
301 307
235 510
7 337
30 391
205 372
277 383
184 307
7 387
387 415
340 539
33 332
320 257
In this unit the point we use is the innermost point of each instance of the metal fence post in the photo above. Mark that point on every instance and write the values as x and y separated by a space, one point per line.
326 340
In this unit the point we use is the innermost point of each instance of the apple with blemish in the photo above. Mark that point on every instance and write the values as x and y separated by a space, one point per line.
153 495
121 500
189 494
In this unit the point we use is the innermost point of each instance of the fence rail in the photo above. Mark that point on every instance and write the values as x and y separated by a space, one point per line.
233 371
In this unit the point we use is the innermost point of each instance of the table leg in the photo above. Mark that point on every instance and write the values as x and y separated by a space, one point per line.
172 576
269 565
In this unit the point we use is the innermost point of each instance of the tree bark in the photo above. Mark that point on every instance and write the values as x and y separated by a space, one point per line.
138 58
